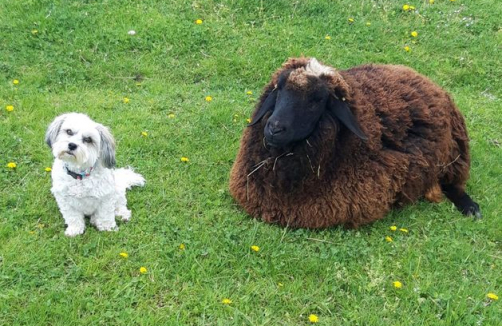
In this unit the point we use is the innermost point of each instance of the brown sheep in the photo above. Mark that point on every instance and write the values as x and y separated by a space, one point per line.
330 147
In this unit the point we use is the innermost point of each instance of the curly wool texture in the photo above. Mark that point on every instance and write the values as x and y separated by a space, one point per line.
417 141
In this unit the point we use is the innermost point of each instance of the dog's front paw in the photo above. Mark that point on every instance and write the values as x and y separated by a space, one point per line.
73 231
111 227
125 214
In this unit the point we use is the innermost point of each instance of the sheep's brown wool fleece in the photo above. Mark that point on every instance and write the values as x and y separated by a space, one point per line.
417 140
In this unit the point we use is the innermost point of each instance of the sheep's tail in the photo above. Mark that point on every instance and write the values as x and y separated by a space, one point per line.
126 178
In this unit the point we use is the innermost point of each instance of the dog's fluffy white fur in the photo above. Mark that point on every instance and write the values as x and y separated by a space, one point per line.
84 182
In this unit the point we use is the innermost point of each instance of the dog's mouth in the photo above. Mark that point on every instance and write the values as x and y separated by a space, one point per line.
66 154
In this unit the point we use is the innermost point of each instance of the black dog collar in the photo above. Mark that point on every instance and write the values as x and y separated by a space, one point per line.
81 175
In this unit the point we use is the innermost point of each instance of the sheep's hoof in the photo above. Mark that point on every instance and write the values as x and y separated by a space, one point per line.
472 210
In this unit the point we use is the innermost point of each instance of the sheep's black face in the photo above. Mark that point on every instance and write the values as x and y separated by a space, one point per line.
298 101
296 111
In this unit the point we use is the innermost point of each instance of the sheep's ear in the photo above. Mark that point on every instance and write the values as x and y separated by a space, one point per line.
107 151
53 129
342 112
268 105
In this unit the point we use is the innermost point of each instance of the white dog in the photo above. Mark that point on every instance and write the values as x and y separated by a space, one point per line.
84 182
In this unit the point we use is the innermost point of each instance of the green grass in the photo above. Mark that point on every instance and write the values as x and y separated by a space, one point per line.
81 58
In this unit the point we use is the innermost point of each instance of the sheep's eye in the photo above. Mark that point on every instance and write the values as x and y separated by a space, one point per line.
69 132
87 140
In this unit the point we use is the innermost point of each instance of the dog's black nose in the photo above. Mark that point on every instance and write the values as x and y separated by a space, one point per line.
72 146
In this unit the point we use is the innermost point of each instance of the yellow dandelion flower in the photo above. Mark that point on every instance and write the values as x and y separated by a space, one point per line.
406 7
255 248
34 31
9 108
249 93
351 20
388 239
143 270
431 2
126 100
403 230
15 81
226 301
492 296
313 318
407 49
368 24
184 159
144 134
11 165
397 284
327 37
393 228
124 255
48 169
171 115
182 246
414 34
198 21
248 120
209 98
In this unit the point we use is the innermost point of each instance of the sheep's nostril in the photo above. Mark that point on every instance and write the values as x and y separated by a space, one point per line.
275 128
72 146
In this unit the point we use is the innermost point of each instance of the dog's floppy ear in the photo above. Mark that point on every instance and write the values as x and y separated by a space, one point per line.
53 129
342 112
268 105
107 151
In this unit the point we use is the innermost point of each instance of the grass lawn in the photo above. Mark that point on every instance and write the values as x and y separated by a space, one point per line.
152 89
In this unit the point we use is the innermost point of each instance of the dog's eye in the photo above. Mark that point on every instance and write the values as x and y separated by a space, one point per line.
69 132
87 140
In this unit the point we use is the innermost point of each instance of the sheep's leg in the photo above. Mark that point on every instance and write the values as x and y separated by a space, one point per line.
462 201
434 194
